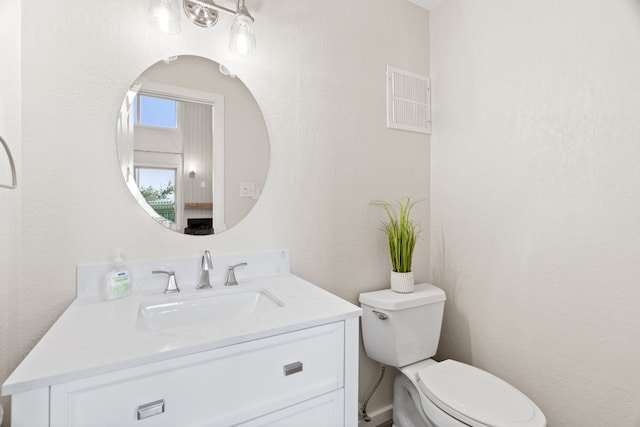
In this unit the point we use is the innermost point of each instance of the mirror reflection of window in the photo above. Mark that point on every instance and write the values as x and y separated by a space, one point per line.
157 186
155 111
171 132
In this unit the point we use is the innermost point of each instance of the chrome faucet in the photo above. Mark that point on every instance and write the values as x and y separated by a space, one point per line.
206 265
231 274
172 284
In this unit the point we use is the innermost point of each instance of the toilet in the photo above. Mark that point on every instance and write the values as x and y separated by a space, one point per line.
403 330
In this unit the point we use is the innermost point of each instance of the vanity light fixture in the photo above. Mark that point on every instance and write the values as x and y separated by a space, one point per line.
242 39
165 15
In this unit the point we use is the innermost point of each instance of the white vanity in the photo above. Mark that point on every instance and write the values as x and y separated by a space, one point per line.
152 359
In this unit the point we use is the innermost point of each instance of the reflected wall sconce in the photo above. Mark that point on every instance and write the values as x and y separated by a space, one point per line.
165 17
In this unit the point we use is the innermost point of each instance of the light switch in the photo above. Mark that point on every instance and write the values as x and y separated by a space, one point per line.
203 184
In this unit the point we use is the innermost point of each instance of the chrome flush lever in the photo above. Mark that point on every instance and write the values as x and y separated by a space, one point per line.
381 316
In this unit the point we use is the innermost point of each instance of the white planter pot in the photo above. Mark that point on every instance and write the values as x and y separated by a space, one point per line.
402 282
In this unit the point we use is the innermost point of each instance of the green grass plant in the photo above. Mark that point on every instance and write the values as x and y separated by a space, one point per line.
401 232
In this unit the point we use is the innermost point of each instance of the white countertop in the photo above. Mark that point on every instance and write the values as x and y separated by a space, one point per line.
94 336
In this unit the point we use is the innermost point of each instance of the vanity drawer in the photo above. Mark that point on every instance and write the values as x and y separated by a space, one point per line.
220 387
324 411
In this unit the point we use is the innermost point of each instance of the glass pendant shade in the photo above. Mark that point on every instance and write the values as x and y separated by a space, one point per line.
165 15
242 39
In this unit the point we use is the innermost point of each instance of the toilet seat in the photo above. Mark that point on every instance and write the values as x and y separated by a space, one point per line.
476 397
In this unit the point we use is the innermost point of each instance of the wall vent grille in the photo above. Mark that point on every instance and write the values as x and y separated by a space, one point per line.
408 101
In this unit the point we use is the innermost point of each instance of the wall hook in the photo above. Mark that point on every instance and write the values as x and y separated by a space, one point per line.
14 182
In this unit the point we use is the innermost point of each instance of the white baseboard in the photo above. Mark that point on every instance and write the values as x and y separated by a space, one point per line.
378 417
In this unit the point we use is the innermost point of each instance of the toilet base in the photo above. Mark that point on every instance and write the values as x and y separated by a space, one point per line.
411 408
407 409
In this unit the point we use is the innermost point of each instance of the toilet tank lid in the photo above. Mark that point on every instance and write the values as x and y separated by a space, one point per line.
387 299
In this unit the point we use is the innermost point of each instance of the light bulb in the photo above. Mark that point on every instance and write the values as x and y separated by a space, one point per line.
242 39
165 16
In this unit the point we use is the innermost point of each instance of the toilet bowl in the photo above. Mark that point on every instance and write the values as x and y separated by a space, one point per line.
403 330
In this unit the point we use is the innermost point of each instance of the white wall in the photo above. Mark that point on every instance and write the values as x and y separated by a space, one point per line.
535 199
319 76
10 117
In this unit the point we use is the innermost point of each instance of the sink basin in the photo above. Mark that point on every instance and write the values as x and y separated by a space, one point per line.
199 309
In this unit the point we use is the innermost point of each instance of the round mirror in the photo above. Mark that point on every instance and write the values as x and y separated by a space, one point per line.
193 145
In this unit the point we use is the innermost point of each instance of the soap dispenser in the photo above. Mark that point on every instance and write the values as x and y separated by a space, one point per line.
118 279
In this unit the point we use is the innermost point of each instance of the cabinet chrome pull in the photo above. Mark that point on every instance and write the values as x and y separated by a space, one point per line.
380 315
292 368
150 409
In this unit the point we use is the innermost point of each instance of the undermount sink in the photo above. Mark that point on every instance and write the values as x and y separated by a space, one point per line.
199 309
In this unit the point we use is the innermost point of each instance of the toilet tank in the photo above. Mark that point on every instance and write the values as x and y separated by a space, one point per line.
399 329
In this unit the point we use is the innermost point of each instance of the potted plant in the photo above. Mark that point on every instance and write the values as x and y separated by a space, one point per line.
402 234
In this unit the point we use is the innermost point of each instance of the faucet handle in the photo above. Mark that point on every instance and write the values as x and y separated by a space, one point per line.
231 274
172 284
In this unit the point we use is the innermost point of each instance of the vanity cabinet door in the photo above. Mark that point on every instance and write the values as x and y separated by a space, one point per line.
221 387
